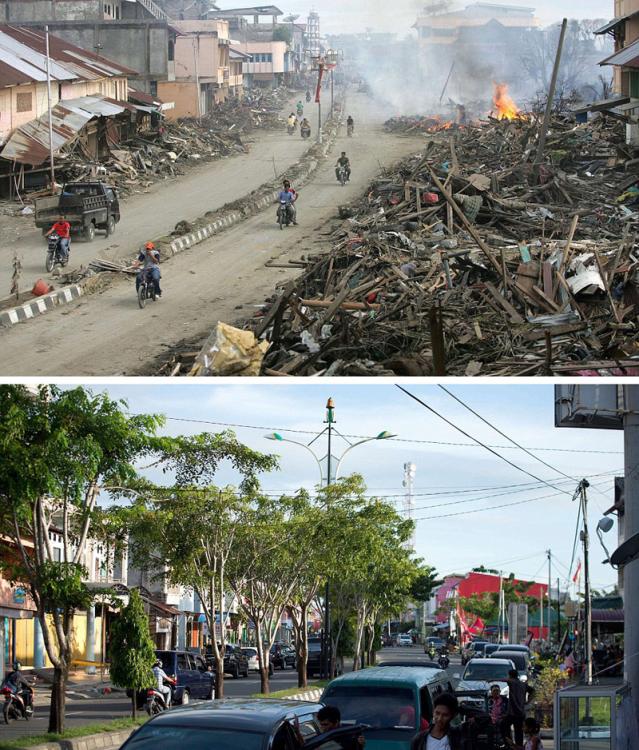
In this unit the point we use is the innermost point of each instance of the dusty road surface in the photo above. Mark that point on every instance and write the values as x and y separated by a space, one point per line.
221 279
156 211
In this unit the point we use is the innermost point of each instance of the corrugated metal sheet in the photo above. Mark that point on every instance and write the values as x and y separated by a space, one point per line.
29 144
628 57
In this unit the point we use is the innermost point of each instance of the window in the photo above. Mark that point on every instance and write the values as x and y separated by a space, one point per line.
24 102
269 57
183 662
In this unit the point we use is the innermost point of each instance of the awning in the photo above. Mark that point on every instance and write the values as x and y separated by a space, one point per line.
613 25
628 57
603 105
29 144
607 615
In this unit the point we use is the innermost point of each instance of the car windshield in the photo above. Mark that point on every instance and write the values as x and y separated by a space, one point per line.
518 659
249 651
483 671
379 707
195 738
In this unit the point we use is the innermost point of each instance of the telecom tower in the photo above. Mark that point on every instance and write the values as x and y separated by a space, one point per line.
313 33
409 477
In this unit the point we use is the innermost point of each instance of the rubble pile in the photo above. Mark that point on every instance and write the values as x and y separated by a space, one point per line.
174 146
470 259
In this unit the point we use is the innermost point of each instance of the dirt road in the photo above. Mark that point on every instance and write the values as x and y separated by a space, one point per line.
221 279
156 211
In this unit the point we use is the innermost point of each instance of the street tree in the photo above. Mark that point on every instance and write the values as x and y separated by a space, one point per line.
60 449
189 531
132 649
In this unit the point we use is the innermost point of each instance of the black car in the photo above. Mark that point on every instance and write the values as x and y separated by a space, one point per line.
315 660
235 661
239 723
282 656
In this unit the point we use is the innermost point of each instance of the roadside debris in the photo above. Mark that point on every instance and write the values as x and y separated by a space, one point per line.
230 351
468 259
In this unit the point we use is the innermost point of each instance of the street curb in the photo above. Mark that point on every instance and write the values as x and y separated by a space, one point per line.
103 741
307 695
40 305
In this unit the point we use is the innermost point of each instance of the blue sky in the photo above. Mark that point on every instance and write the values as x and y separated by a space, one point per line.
337 16
512 538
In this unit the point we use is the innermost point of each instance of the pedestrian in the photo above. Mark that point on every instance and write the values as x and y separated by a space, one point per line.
497 706
441 735
532 730
518 692
330 718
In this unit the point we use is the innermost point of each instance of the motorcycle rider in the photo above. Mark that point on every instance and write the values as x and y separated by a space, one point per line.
308 96
305 126
63 229
19 686
300 108
292 121
350 124
161 676
150 258
289 195
343 161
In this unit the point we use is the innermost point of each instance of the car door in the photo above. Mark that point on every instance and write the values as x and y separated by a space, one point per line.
334 740
185 672
203 674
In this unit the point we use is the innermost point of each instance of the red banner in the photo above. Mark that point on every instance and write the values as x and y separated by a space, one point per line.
319 83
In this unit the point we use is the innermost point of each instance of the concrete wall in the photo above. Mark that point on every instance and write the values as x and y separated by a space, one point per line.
183 94
196 55
12 11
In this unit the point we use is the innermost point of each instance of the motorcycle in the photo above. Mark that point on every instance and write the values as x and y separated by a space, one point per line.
308 97
349 130
305 132
14 708
290 129
342 175
155 702
300 111
54 253
431 652
443 661
283 214
146 289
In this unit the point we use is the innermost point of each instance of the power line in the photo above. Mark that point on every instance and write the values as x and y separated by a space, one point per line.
364 437
463 432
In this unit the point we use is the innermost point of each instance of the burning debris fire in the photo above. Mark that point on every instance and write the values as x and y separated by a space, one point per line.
505 107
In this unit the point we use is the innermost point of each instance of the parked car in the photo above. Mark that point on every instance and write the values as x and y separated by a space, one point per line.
315 660
87 206
470 650
194 678
253 661
239 723
423 664
513 647
489 649
404 639
480 674
235 662
433 640
282 656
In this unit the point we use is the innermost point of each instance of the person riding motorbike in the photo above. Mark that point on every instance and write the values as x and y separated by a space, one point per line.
343 161
289 195
300 108
160 677
305 127
431 652
350 125
20 688
63 229
291 123
308 97
149 259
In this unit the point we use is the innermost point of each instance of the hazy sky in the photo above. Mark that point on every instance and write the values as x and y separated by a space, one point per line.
399 15
450 478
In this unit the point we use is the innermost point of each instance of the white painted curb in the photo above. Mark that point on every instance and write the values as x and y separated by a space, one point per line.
308 695
40 305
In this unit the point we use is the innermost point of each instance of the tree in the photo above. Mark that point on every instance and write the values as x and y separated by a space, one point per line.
132 650
59 450
282 34
190 530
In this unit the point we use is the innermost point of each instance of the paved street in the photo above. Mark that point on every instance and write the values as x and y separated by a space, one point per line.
158 209
220 279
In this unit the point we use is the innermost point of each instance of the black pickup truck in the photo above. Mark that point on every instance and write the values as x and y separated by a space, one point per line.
87 206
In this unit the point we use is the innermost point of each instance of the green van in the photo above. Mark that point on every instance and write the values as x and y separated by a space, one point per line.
394 702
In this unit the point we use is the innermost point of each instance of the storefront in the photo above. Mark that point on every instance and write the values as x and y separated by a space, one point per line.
17 634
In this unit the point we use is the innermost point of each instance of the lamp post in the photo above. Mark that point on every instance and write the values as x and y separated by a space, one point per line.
328 475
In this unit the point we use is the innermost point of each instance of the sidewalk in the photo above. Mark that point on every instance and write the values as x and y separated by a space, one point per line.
79 682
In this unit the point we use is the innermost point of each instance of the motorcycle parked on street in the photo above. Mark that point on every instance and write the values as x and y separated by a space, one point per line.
15 707
55 256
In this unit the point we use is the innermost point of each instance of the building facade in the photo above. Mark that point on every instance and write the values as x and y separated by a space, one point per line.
624 28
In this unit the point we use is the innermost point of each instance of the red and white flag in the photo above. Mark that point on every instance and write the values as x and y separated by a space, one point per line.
575 577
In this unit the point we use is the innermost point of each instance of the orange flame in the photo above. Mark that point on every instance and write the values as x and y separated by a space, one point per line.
505 107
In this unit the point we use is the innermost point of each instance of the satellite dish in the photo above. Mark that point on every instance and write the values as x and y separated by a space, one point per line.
628 551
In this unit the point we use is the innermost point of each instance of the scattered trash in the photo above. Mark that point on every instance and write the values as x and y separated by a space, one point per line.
230 351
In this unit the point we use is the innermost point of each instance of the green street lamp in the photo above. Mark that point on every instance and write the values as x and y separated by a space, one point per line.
327 477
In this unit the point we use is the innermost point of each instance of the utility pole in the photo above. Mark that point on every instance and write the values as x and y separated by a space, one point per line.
558 615
549 553
52 167
583 486
631 527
